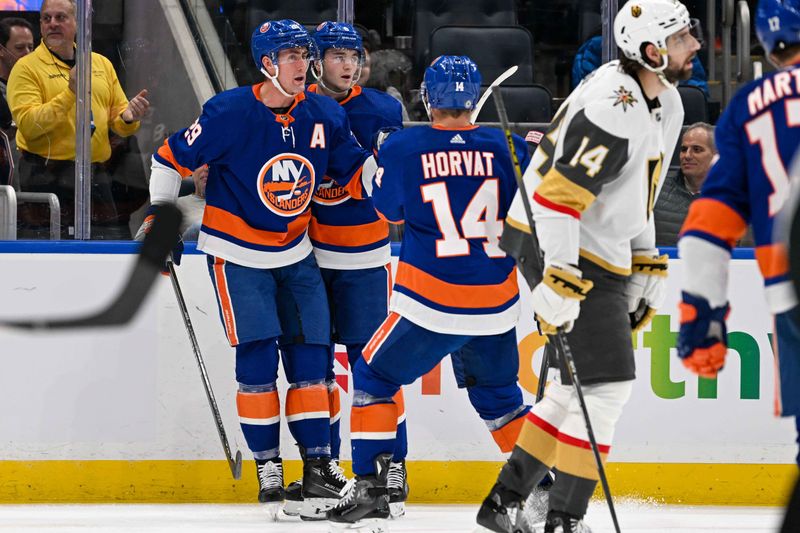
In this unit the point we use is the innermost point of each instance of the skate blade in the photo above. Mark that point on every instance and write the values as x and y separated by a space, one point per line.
315 508
272 510
397 510
292 508
368 525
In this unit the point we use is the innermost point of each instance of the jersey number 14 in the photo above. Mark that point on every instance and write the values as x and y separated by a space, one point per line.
479 221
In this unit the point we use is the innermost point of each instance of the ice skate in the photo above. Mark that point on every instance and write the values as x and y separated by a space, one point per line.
294 498
536 505
560 522
501 512
324 484
365 507
397 488
270 485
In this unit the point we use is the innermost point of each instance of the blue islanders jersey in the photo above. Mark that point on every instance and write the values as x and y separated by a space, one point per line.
347 234
453 188
757 136
263 172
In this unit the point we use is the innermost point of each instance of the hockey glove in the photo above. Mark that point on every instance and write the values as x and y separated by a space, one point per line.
646 287
557 299
703 337
381 135
144 229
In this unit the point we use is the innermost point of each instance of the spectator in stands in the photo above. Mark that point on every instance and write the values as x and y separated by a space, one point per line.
16 40
193 205
41 94
389 73
589 57
698 153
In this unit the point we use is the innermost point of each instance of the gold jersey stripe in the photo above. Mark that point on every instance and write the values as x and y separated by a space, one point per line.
560 190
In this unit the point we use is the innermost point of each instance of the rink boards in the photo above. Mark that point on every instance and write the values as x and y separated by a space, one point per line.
120 414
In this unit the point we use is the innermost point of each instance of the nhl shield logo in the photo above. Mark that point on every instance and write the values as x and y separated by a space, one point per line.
286 184
264 28
330 193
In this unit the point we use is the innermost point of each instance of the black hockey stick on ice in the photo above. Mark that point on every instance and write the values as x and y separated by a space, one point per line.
154 251
234 464
560 341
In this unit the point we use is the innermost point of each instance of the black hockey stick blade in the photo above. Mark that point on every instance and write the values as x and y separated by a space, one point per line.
157 245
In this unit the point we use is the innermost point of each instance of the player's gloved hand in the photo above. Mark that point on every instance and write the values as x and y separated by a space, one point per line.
557 299
646 288
381 135
703 337
144 229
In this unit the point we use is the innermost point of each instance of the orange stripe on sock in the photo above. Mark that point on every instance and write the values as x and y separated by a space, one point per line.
312 399
334 401
378 418
506 436
400 403
260 405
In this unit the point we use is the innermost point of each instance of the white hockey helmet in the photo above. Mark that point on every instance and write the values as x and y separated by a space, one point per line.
648 21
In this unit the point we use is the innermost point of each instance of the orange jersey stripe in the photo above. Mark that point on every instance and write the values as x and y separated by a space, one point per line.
715 218
379 336
166 152
453 295
225 303
378 418
221 220
262 405
772 260
312 399
355 235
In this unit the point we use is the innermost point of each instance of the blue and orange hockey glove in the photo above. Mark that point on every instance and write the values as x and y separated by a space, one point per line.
703 337
144 229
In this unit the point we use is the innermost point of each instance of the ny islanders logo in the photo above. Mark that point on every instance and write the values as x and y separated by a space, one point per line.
286 184
330 193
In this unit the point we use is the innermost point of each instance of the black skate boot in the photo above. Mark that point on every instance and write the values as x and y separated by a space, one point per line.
501 511
294 498
561 522
270 485
397 487
366 504
324 484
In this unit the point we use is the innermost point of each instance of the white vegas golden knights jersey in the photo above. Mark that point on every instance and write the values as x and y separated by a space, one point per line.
594 179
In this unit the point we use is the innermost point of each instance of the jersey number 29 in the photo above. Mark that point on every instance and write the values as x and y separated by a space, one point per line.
479 221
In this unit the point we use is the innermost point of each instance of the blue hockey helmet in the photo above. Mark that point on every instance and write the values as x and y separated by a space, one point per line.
275 35
338 35
778 24
451 82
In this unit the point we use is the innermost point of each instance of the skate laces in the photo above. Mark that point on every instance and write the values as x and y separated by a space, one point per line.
338 474
349 495
270 475
395 479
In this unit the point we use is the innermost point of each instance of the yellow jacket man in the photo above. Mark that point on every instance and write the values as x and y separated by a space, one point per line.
41 95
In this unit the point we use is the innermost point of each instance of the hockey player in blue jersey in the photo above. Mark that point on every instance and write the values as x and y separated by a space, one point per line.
268 148
757 137
351 242
455 291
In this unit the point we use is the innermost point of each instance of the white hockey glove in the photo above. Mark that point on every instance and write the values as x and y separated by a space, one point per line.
557 299
647 286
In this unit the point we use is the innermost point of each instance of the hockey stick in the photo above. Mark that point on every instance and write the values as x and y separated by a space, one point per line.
485 96
561 345
156 247
234 464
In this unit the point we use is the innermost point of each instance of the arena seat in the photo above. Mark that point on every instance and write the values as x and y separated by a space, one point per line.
493 48
431 14
524 103
695 105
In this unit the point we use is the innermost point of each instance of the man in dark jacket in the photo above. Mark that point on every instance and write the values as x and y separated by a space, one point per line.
698 152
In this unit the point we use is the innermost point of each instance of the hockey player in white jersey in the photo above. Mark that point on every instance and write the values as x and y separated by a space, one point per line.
594 180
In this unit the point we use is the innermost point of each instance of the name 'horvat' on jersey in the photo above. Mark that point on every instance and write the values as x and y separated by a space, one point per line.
771 89
457 163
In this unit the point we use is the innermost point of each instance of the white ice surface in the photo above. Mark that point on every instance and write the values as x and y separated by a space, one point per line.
634 518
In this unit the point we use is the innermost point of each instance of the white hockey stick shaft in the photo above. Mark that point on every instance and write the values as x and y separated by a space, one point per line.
500 79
